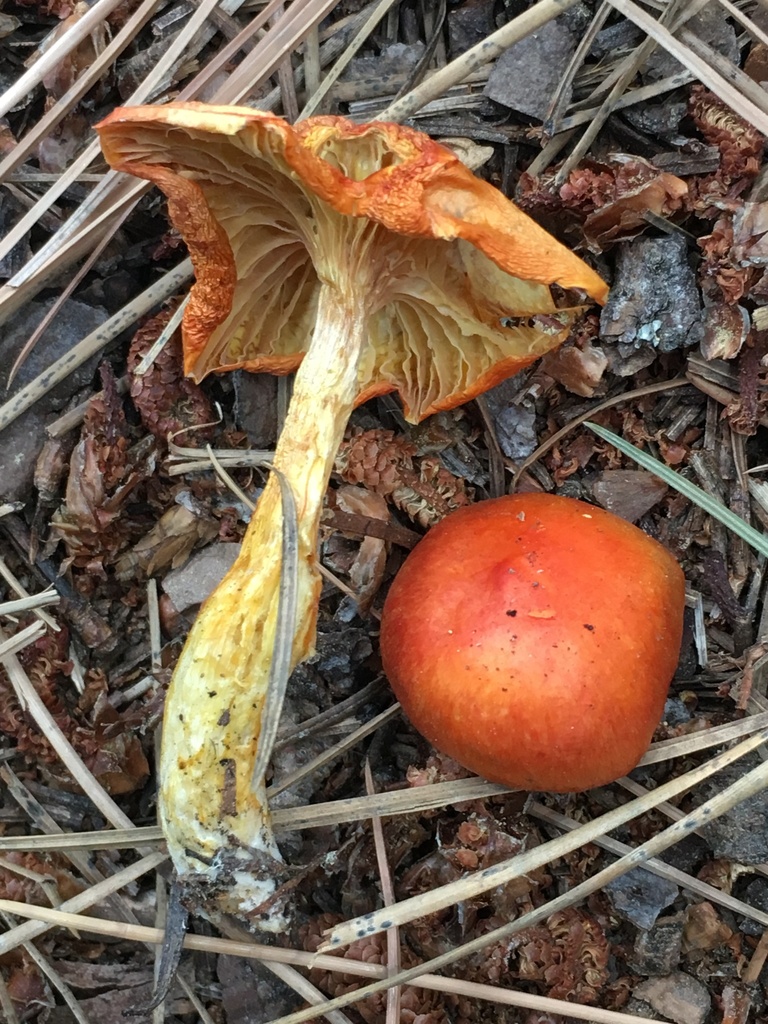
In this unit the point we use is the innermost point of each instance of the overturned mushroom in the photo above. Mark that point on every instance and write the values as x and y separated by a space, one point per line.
370 258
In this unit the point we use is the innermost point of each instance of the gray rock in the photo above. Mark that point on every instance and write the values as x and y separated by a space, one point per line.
741 834
712 26
657 950
675 712
251 994
339 652
659 120
756 895
393 60
469 24
20 443
628 493
654 303
515 422
11 212
640 896
639 1008
513 81
678 997
687 855
191 583
619 38
256 407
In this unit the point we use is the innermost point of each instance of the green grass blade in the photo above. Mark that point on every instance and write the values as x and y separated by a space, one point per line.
716 509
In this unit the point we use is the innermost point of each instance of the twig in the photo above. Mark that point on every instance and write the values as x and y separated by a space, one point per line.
335 812
609 403
629 99
50 973
748 23
25 604
636 60
16 585
225 458
334 752
286 79
727 92
114 189
482 53
330 79
32 929
657 867
290 976
561 97
405 801
55 53
300 958
93 343
285 631
60 299
499 874
684 746
332 716
42 819
29 699
155 637
7 1005
83 83
73 417
312 65
162 339
757 962
436 36
22 639
296 24
388 896
749 784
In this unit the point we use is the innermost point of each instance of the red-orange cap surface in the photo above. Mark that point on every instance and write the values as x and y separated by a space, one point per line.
533 638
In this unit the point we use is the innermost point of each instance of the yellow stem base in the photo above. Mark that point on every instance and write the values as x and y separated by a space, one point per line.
215 820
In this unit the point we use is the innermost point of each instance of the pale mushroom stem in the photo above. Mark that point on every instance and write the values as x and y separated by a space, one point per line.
215 817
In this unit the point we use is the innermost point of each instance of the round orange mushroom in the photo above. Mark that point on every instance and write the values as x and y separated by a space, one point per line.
533 638
371 259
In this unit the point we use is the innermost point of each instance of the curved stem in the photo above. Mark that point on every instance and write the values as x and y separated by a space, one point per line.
215 819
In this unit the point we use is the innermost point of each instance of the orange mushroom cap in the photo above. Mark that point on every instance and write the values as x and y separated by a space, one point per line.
533 638
455 274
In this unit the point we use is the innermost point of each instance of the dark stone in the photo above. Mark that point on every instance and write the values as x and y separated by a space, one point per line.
251 994
512 82
677 997
756 895
515 422
640 896
628 493
657 950
740 834
654 303
468 25
21 442
624 35
256 407
11 211
686 855
675 712
340 651
660 120
712 26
